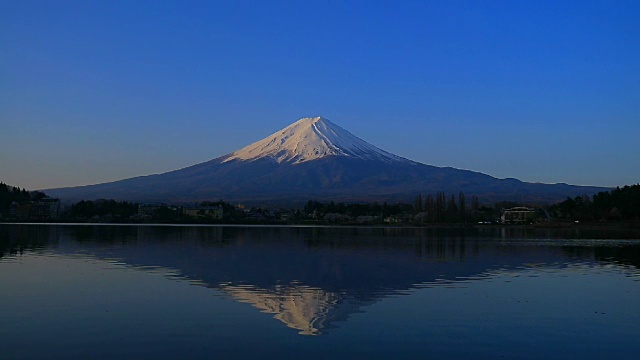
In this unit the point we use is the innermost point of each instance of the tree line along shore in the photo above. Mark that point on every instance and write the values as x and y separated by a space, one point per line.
618 206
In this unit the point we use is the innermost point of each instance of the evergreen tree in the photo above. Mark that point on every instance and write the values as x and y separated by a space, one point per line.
452 209
440 206
430 207
462 201
418 203
475 203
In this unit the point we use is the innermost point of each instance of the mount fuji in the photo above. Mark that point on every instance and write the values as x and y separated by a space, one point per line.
314 158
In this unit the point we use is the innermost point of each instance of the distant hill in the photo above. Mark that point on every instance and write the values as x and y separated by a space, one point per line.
314 158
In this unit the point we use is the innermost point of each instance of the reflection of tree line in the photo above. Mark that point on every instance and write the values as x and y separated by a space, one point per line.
159 234
441 243
105 234
628 255
18 239
559 233
438 244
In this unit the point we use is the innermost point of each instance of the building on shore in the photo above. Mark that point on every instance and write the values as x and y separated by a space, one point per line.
208 212
148 210
43 209
518 215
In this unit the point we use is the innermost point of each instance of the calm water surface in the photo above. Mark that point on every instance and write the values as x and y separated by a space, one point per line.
167 292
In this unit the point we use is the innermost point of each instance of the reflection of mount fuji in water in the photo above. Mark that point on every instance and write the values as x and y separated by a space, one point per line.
313 278
306 309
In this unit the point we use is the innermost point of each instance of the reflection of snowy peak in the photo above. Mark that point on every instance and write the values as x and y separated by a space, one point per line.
307 309
310 139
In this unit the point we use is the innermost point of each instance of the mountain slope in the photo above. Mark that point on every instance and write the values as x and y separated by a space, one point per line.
315 159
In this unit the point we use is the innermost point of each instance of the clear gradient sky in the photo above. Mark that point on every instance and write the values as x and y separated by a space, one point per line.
543 91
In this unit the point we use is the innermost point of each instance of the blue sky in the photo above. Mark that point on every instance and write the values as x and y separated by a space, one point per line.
543 91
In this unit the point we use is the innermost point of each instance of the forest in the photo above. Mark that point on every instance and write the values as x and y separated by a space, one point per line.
615 205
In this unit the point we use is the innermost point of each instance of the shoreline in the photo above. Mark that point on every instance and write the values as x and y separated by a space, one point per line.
594 226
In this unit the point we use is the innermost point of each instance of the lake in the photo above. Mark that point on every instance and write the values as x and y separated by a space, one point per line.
238 292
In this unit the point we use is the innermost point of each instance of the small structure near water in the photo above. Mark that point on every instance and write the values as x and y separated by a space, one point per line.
518 215
210 212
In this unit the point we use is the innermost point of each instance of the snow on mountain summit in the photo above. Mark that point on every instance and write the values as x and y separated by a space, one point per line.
310 139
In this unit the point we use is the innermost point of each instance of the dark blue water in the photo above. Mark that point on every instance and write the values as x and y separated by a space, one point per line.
166 292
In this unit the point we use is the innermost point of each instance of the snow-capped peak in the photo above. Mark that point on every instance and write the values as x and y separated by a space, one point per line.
311 139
